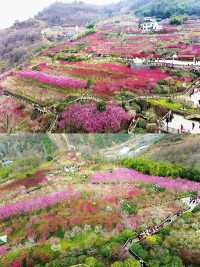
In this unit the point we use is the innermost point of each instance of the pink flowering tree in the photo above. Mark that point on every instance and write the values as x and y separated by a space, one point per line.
87 118
34 204
10 115
60 81
3 250
124 175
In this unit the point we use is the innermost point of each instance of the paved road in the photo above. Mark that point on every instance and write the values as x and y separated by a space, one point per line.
168 61
187 125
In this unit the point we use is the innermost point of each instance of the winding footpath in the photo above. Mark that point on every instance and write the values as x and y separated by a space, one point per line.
190 202
178 122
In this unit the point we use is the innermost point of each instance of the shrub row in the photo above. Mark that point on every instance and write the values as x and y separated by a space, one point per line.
164 169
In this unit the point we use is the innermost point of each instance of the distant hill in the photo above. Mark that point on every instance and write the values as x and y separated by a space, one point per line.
13 147
76 13
158 8
18 42
182 150
23 39
165 8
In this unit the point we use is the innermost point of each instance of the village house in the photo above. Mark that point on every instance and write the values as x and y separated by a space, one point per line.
149 25
61 32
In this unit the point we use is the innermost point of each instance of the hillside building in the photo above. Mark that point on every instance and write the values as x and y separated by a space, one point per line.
149 25
60 33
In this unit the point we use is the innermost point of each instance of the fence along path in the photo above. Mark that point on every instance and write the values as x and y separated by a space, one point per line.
191 202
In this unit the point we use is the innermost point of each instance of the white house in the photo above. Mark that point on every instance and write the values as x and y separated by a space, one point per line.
149 25
61 32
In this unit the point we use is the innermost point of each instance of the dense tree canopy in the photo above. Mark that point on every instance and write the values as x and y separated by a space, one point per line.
166 9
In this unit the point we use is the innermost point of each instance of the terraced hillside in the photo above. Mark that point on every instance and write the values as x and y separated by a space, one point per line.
111 78
71 208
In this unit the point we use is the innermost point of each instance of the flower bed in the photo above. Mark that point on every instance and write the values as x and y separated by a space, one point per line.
34 204
61 81
30 181
108 78
125 175
11 113
89 119
3 250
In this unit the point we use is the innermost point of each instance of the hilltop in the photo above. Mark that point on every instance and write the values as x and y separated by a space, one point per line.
176 149
75 13
16 45
19 42
162 8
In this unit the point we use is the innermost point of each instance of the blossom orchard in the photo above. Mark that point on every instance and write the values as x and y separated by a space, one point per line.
60 81
34 204
109 78
89 119
124 175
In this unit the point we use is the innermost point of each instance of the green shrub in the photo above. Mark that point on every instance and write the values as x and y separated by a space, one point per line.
163 82
91 262
177 20
130 208
71 58
123 236
106 251
164 169
139 250
197 209
90 26
117 264
131 263
141 124
101 106
36 68
60 233
4 172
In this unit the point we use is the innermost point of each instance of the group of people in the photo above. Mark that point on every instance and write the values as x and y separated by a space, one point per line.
195 200
169 119
182 130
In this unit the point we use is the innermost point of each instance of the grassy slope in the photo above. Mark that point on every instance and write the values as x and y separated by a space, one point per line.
165 8
184 150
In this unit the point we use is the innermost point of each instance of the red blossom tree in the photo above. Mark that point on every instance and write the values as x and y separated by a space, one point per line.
10 115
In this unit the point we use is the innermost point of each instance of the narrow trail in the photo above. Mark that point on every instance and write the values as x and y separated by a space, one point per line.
173 128
191 202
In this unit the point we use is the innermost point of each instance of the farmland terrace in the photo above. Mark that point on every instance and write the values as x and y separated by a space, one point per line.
95 75
65 207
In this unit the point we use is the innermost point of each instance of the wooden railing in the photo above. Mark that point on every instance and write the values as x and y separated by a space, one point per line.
132 125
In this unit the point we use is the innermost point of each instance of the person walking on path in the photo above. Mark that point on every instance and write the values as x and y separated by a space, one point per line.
182 128
167 121
171 116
